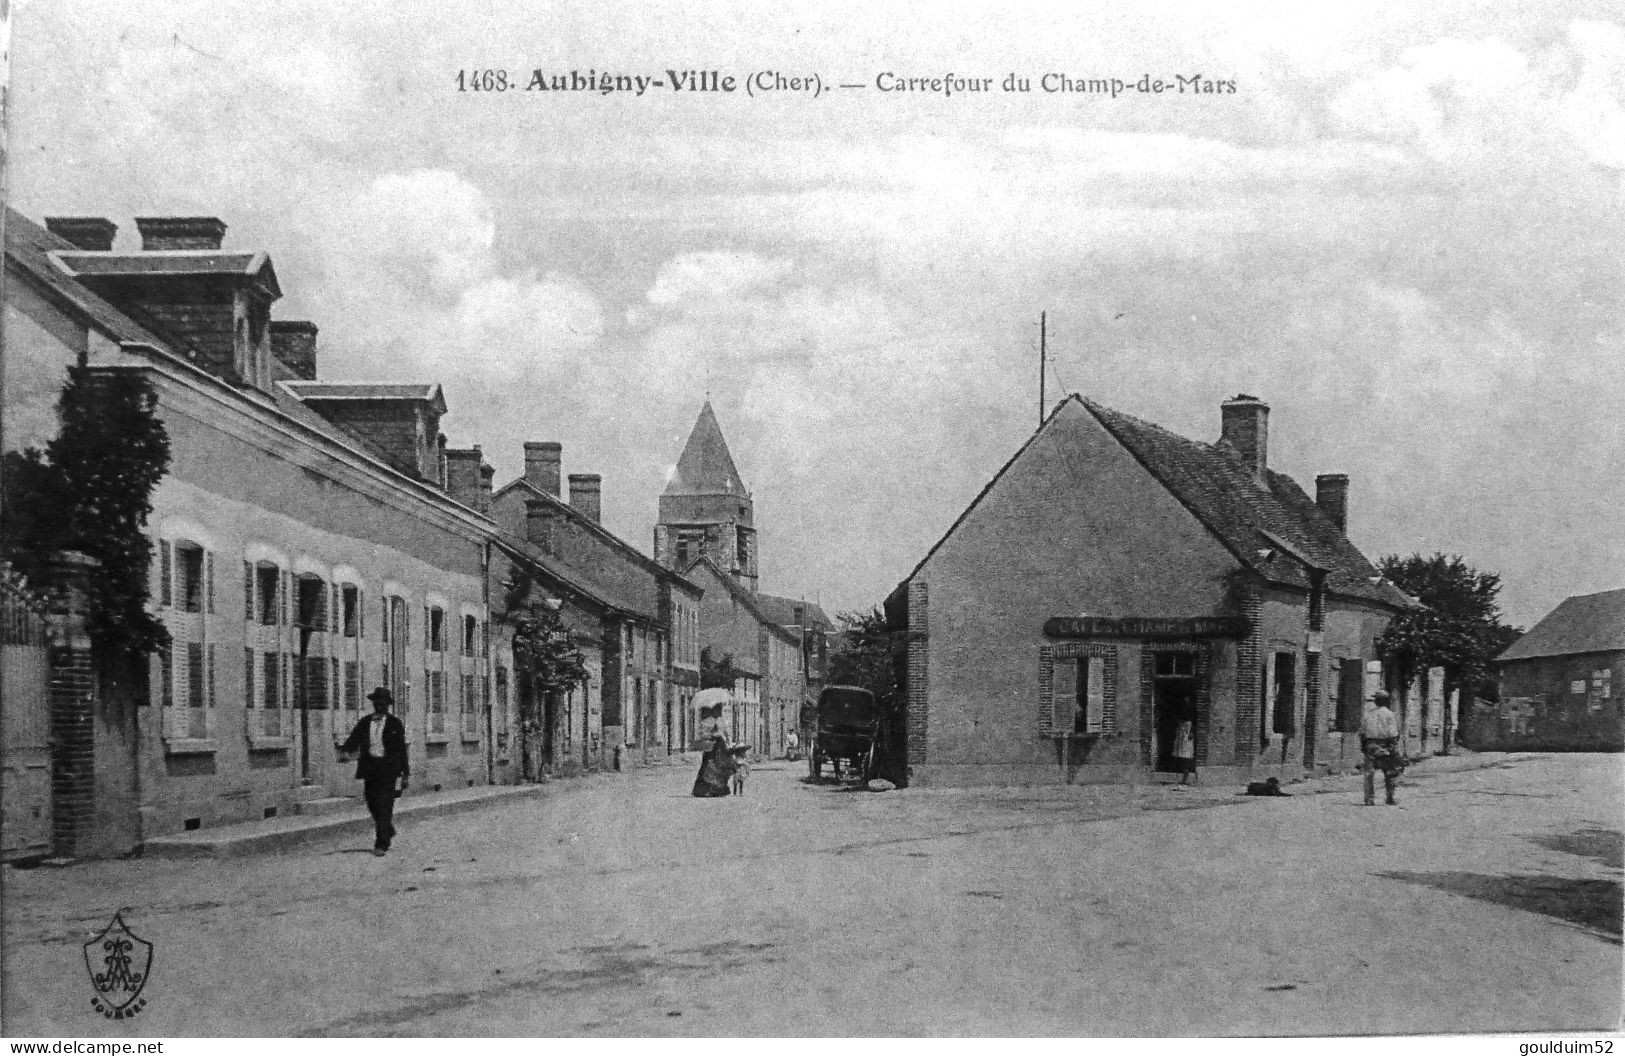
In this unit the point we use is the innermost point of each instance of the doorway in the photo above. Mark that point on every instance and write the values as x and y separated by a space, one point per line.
1173 700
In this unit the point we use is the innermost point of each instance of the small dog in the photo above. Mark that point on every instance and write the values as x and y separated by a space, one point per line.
1271 787
741 756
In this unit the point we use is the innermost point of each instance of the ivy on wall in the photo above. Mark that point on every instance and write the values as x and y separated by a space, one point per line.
90 491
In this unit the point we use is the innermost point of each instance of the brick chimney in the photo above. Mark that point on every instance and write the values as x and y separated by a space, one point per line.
539 518
93 233
586 494
542 461
1245 427
1332 496
293 343
463 475
180 232
486 475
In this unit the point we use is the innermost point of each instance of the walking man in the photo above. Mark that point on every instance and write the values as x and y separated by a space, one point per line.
380 738
1379 740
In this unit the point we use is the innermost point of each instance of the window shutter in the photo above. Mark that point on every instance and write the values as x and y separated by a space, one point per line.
287 588
166 573
166 674
1066 696
208 716
208 582
248 592
1095 702
335 602
426 641
248 678
360 614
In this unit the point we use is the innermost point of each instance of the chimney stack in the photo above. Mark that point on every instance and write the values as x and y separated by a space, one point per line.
180 232
293 343
1332 496
1245 427
539 515
93 233
486 473
542 461
586 495
463 475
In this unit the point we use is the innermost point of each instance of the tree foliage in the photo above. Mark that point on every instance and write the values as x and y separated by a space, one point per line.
868 656
1460 630
90 490
542 644
718 672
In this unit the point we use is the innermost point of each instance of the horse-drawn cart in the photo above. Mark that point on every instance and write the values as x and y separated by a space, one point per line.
850 730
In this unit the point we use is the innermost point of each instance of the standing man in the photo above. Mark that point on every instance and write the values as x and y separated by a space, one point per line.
1379 740
380 738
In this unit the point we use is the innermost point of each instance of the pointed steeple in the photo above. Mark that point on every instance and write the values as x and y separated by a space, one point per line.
705 466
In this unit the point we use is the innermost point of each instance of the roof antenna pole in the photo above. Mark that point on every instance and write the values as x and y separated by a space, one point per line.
1043 361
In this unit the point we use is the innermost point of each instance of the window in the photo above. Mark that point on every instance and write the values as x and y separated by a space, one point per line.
189 570
1350 694
501 718
471 714
311 611
471 636
271 695
742 547
352 685
1079 690
1284 695
1175 665
435 628
267 579
350 611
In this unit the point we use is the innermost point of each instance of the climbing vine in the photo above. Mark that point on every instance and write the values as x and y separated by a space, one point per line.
90 490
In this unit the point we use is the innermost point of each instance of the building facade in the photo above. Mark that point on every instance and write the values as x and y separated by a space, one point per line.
311 541
1560 684
1114 579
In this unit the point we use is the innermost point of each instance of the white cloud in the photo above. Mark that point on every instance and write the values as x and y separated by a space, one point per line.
430 218
714 275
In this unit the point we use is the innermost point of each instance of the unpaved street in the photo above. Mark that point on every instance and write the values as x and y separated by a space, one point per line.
618 905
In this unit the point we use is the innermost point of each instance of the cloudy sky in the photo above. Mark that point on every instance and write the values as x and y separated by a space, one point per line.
1402 230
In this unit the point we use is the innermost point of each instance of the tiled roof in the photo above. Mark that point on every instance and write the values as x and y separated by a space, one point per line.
783 611
1585 623
1245 513
705 466
29 246
631 552
1251 518
745 598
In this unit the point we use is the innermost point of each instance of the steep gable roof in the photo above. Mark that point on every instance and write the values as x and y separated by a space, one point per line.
1251 518
1584 623
783 611
745 599
705 466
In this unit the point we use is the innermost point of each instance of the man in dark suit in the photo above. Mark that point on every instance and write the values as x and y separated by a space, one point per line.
380 740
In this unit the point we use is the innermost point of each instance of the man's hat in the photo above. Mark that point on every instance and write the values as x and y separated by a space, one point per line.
382 694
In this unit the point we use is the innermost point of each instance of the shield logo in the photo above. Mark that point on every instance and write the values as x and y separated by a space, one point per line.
118 962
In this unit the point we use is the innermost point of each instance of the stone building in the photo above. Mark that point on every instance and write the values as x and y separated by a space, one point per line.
649 652
1113 577
1562 683
311 541
707 529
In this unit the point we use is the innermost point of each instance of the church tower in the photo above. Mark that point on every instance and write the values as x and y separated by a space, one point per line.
705 509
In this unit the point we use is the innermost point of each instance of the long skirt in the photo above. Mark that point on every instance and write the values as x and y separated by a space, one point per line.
712 779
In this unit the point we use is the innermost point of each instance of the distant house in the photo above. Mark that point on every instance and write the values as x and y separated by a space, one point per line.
1114 577
1562 683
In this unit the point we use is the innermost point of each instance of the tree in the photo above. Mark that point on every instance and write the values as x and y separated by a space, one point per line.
718 672
90 491
1459 630
868 656
546 657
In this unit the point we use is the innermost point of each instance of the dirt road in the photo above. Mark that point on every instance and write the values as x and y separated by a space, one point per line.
618 905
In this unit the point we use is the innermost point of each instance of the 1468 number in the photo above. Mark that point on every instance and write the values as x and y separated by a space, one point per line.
482 80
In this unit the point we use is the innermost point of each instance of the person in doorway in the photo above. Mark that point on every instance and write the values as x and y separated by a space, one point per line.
379 744
1184 747
1379 740
716 771
792 746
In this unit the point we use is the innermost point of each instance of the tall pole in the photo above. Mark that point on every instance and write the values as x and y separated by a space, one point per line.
1043 361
